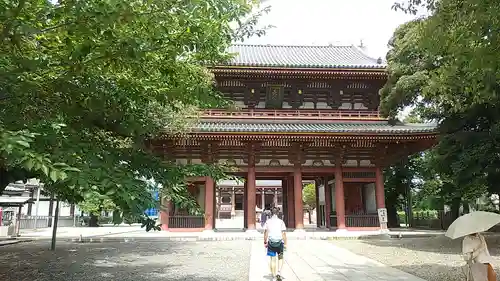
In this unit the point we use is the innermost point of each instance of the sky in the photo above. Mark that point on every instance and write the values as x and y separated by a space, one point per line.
337 22
324 22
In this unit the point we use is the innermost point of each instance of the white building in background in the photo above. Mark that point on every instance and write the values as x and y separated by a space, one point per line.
30 190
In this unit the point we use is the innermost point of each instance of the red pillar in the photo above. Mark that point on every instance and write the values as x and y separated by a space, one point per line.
297 191
379 188
284 202
209 203
164 214
328 203
245 204
318 215
251 196
379 194
339 197
291 206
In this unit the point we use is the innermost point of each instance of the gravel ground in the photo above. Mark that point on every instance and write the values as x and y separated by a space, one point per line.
174 261
431 258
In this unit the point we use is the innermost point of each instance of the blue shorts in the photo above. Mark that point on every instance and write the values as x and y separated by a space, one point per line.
278 251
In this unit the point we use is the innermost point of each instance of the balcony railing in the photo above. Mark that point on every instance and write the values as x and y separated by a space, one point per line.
305 114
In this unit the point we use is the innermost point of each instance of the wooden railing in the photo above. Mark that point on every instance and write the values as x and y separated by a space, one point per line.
306 114
186 221
364 220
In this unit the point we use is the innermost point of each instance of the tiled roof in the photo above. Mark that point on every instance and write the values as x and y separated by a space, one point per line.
302 57
331 127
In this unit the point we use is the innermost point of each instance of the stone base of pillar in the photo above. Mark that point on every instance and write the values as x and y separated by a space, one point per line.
341 230
208 231
384 230
252 231
300 230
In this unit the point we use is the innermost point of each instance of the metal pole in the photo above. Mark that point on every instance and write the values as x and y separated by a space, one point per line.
18 221
410 208
54 227
37 205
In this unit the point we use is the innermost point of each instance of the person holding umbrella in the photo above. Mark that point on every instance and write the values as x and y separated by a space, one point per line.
474 247
475 250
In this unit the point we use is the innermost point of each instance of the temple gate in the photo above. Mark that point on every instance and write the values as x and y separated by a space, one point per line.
301 113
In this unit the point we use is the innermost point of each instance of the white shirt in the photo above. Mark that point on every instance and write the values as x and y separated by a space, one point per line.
274 227
476 246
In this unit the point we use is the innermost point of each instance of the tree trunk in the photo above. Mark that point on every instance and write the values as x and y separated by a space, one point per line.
93 221
51 210
392 216
466 207
455 207
310 219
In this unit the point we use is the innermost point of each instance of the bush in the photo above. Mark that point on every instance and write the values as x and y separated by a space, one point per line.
104 220
419 215
426 214
402 217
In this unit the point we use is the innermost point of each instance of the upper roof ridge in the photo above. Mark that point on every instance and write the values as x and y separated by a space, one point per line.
302 56
295 45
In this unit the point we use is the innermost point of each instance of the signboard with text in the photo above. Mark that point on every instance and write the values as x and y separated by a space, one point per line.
382 215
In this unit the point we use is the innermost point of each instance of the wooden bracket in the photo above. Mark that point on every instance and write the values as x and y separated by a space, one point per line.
210 151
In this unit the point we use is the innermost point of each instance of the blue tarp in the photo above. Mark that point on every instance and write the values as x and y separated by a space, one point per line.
153 212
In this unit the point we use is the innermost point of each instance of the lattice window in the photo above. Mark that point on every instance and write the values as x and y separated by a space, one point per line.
363 175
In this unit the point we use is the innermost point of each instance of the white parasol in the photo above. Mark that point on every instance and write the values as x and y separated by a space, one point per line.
474 222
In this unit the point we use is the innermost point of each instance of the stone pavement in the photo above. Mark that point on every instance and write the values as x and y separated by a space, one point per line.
135 233
157 261
315 260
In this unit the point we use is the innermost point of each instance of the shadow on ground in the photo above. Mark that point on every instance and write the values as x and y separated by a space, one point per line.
176 261
438 244
428 272
434 272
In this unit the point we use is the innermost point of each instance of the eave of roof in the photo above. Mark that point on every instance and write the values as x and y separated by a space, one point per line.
302 57
7 201
382 128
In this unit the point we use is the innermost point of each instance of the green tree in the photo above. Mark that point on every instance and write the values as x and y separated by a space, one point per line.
309 195
400 180
91 84
309 198
94 204
445 65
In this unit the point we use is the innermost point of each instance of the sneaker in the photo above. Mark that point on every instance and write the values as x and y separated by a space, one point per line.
278 278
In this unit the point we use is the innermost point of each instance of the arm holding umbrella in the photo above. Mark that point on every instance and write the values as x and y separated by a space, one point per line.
473 246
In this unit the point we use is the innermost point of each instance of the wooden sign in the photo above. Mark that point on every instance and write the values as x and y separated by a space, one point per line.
382 215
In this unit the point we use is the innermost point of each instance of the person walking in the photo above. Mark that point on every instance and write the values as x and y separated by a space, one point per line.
266 214
475 251
275 242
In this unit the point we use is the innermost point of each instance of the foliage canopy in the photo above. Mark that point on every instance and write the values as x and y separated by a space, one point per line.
446 65
85 84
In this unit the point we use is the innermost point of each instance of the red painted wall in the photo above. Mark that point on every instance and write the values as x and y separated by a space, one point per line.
353 198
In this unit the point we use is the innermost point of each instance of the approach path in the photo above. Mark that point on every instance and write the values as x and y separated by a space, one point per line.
318 260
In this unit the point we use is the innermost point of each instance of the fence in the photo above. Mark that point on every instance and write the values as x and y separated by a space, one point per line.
28 222
429 219
186 221
357 220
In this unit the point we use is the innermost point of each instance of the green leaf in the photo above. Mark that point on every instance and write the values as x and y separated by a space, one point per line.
45 169
29 164
23 143
54 176
63 175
